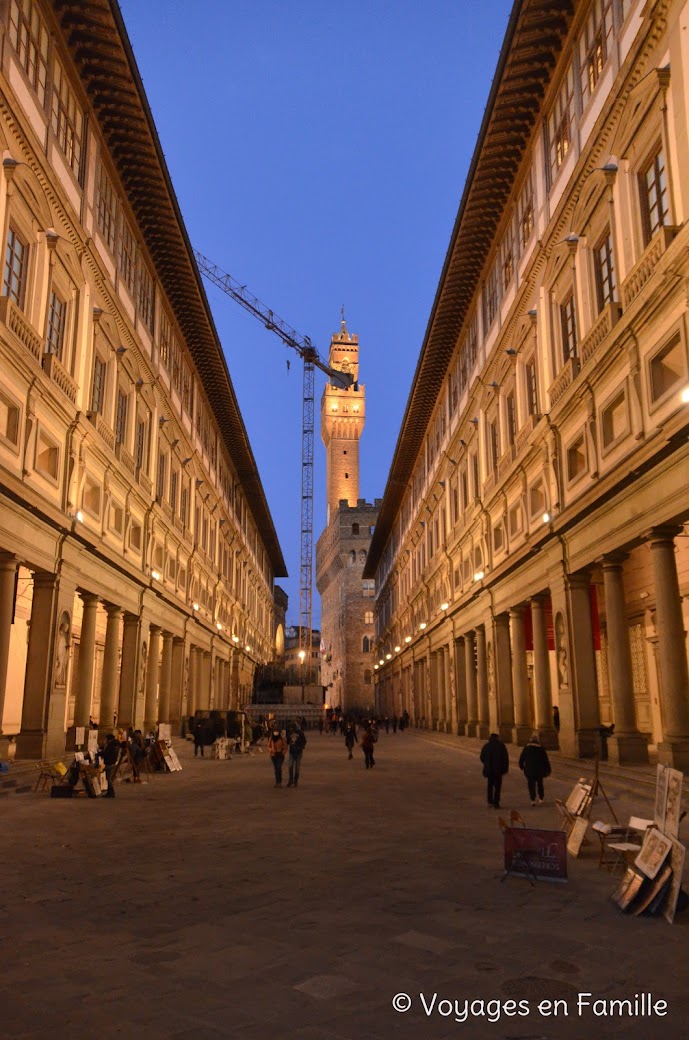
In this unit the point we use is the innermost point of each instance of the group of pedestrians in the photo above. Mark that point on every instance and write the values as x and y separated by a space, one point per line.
292 746
533 761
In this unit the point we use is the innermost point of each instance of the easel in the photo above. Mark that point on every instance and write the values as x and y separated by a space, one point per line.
596 788
127 770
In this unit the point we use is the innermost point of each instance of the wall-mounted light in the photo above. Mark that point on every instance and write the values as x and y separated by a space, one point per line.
407 639
185 462
478 576
388 657
162 420
422 626
218 626
235 639
546 518
463 443
195 606
511 352
684 396
474 421
444 606
376 666
381 661
442 483
155 575
247 648
493 385
79 516
199 482
121 350
397 649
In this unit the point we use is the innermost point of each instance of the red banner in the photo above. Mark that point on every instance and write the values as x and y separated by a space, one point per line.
536 853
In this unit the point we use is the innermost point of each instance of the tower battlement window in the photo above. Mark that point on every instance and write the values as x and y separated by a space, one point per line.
654 199
561 125
29 37
67 119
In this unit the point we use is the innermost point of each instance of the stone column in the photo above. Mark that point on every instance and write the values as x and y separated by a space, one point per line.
234 681
205 680
165 679
483 729
450 691
129 670
503 676
460 700
673 750
176 683
8 577
87 658
579 724
627 745
42 732
108 693
471 728
152 674
521 731
543 698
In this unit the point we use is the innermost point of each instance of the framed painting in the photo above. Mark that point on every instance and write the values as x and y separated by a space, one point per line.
653 854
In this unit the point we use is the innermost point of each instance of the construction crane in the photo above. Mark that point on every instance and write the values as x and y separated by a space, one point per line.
308 353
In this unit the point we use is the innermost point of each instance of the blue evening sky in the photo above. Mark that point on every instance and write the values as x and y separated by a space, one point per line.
319 150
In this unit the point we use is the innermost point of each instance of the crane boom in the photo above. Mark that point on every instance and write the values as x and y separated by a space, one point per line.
311 359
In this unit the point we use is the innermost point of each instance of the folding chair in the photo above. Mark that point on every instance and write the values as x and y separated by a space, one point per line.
626 842
50 772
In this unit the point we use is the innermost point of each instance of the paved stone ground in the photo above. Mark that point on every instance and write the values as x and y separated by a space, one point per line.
209 904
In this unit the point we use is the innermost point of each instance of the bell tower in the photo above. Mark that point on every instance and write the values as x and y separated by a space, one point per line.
342 421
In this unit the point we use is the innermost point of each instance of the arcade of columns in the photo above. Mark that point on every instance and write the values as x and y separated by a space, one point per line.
501 667
139 661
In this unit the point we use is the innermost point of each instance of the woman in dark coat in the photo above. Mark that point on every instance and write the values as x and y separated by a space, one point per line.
496 762
536 765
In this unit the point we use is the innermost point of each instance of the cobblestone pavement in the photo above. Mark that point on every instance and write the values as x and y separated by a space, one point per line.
208 903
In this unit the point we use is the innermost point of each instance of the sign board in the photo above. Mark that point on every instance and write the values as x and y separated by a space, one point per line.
79 735
93 744
536 853
164 731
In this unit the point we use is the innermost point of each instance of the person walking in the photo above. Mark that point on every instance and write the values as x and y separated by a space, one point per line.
496 763
277 747
535 765
297 743
350 738
368 742
199 737
556 717
111 756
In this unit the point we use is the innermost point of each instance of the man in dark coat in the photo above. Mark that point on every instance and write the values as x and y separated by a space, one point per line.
535 764
296 742
496 762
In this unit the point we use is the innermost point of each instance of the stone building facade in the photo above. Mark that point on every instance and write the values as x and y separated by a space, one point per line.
531 548
341 553
137 551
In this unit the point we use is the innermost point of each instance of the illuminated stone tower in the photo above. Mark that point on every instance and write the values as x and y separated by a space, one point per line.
347 624
342 421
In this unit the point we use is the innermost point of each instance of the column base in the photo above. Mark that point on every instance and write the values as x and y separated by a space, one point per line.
471 729
462 729
627 749
505 730
521 735
483 731
585 743
548 737
674 753
39 744
5 747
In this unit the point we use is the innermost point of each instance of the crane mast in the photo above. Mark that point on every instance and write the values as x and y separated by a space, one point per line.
303 346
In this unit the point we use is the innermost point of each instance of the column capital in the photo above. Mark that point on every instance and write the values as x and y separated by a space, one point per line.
112 610
614 560
155 630
664 533
168 636
89 599
8 561
579 579
518 610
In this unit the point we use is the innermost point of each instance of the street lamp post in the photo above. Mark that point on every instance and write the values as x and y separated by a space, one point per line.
302 655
